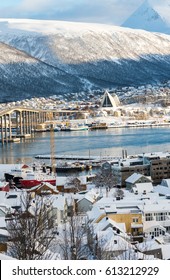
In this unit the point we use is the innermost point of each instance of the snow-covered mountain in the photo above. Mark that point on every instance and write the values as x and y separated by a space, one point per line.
148 18
62 57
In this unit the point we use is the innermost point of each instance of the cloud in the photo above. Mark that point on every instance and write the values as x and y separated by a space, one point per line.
100 11
108 11
35 5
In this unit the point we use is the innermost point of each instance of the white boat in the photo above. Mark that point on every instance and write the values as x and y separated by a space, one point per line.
57 128
78 128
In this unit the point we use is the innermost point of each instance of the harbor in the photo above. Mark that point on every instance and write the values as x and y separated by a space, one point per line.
85 145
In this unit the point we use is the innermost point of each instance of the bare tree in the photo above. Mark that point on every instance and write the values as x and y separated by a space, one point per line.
31 229
105 179
74 182
74 239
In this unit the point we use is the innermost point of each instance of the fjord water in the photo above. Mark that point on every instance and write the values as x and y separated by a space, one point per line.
89 143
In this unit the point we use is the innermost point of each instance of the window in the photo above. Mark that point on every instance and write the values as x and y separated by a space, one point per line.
135 231
157 232
135 220
161 216
148 217
12 196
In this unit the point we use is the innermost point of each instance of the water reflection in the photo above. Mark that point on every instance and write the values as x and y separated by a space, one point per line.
99 143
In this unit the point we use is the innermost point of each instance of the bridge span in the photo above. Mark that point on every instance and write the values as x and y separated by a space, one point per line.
25 121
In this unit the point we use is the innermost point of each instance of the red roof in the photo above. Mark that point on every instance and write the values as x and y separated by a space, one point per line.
25 166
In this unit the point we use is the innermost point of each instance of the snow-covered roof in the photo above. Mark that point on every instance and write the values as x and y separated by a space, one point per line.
159 206
6 257
165 183
50 186
3 209
141 187
154 244
59 202
133 178
131 254
162 190
95 213
12 198
109 241
2 222
88 198
91 196
165 251
105 222
148 227
4 232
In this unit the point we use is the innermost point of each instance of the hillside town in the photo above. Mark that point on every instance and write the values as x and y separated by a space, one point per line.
119 212
92 216
120 107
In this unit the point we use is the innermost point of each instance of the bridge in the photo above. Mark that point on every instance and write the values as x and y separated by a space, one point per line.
25 121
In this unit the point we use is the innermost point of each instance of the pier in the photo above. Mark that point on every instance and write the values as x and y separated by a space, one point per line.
76 157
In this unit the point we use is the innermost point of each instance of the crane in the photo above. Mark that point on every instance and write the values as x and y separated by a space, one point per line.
52 143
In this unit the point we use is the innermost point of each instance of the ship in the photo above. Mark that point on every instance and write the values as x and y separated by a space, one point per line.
26 177
28 183
69 167
77 127
96 125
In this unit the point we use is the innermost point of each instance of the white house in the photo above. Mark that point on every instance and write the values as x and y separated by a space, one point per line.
156 217
85 203
136 178
110 245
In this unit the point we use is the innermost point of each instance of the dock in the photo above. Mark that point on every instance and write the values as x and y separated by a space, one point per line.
76 157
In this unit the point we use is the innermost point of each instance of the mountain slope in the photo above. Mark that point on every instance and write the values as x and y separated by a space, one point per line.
75 57
147 18
22 76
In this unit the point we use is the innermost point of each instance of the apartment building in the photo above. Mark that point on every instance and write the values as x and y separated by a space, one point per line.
155 165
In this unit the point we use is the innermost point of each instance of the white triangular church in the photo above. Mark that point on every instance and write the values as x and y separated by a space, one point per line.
110 101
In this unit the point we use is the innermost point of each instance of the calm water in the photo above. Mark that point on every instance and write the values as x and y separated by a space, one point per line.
99 142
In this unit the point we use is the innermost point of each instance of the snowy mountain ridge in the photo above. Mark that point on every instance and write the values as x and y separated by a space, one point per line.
148 18
73 57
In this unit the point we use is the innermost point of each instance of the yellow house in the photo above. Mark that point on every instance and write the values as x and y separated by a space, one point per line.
130 216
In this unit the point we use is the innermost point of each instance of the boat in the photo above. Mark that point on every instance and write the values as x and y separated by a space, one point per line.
78 128
26 177
69 167
28 183
57 128
54 128
74 127
65 128
96 125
